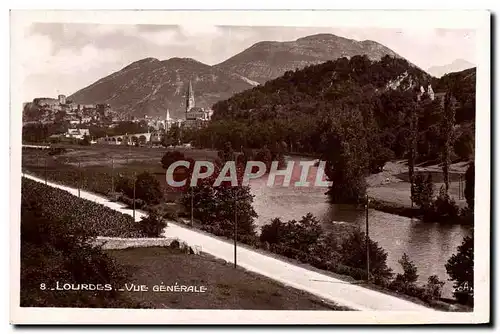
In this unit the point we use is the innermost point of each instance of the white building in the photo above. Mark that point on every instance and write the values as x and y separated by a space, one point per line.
77 133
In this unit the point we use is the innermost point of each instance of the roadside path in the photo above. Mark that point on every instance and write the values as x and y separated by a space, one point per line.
329 288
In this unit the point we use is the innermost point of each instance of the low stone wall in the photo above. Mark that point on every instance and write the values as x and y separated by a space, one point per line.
121 243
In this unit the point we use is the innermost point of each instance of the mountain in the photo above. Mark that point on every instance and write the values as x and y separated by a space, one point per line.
150 86
455 66
264 61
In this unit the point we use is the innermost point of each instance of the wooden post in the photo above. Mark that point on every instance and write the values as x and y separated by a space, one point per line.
134 199
192 205
367 242
235 227
112 176
45 173
79 178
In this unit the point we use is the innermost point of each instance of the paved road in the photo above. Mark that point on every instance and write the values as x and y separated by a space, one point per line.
326 287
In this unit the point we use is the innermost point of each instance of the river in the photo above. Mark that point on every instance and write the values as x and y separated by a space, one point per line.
429 245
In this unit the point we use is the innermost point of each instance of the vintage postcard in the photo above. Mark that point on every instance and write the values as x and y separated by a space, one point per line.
250 167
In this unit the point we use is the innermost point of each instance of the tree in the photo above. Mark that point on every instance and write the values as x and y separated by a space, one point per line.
125 185
173 136
469 186
227 153
171 157
148 189
273 232
460 267
353 251
423 191
264 155
345 151
412 150
409 275
444 205
215 206
448 122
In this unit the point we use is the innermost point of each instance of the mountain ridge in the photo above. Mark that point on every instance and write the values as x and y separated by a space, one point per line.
266 60
151 86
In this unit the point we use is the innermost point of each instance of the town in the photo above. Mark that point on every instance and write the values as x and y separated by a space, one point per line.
77 121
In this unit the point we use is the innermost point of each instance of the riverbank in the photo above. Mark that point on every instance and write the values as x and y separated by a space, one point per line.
389 190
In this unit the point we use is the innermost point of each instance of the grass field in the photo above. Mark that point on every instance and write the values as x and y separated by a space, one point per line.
227 287
94 167
392 185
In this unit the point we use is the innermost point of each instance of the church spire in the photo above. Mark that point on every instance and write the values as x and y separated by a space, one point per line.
189 97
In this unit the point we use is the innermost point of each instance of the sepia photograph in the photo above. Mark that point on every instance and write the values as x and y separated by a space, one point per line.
260 167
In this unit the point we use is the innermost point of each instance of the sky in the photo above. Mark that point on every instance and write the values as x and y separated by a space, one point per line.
61 58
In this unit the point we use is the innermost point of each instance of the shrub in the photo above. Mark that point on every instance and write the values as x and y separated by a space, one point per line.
434 287
152 226
175 244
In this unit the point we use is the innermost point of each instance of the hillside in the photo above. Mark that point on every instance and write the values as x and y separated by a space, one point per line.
267 60
150 86
327 83
463 86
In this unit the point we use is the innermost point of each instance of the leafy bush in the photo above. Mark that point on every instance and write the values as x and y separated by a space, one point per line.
434 287
152 226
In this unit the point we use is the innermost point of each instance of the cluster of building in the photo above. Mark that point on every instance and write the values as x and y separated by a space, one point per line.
49 110
80 116
195 117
